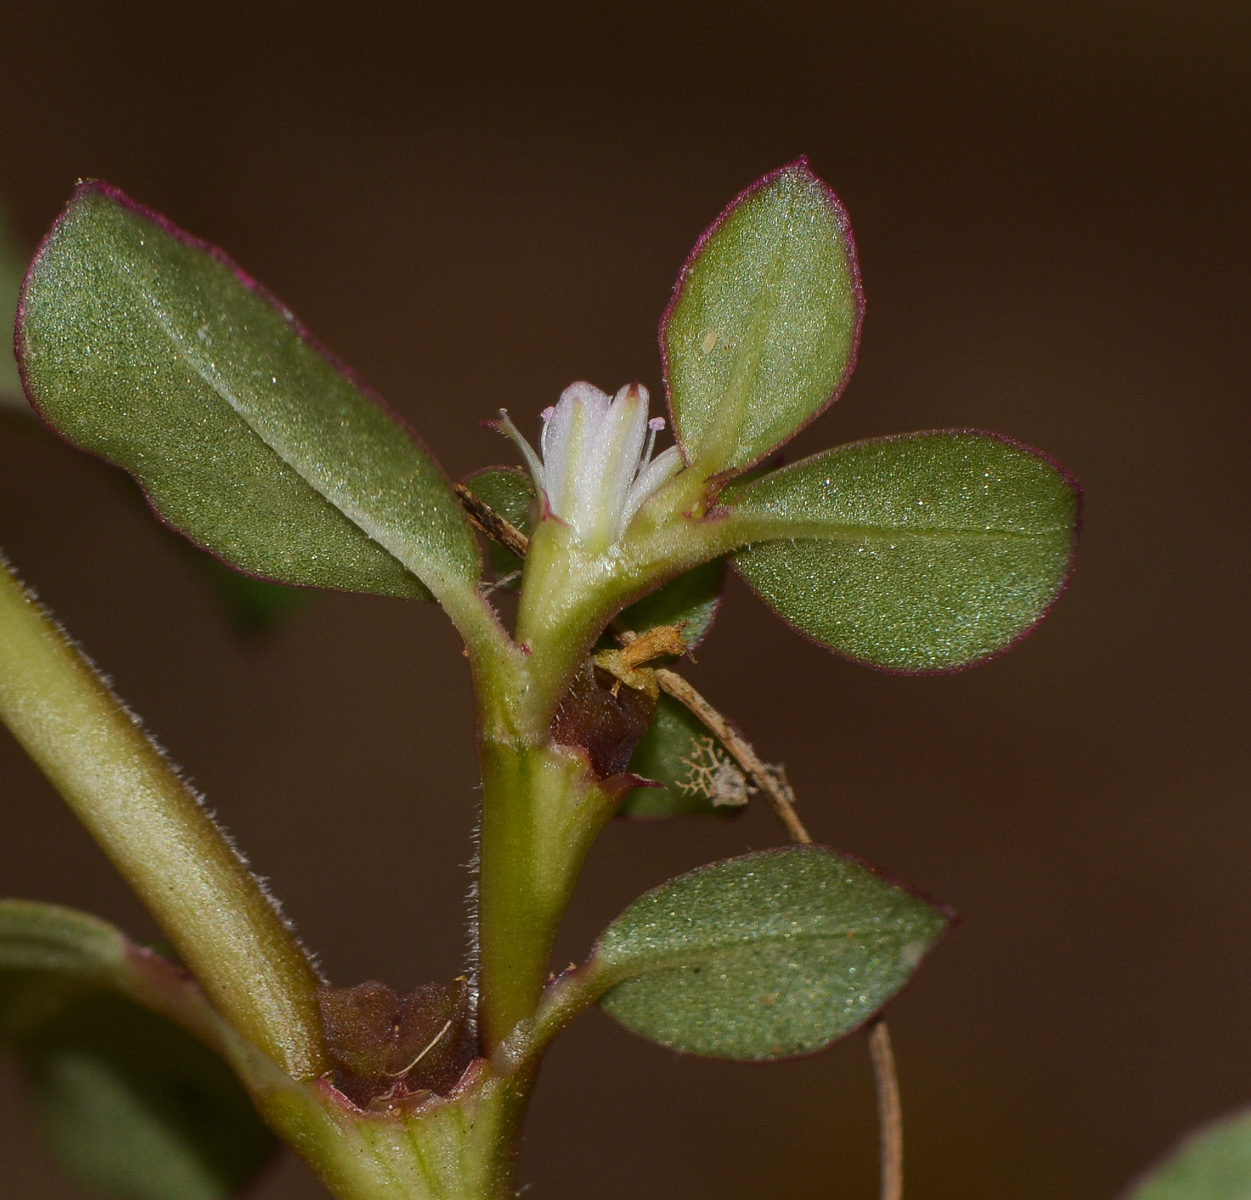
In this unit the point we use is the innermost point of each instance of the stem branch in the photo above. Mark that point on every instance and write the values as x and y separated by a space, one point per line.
771 781
149 822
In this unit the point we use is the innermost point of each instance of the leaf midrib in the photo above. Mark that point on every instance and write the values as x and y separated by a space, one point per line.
209 374
688 956
818 532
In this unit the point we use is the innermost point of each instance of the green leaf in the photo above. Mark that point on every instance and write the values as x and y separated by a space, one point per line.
770 955
253 606
1212 1164
131 1104
156 352
697 775
923 552
12 263
507 490
510 492
762 331
691 600
59 942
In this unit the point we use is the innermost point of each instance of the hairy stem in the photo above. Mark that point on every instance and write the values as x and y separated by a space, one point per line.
541 810
149 822
460 1147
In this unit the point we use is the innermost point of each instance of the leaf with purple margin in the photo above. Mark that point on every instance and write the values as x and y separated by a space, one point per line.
129 1102
766 956
762 330
922 552
1213 1163
153 350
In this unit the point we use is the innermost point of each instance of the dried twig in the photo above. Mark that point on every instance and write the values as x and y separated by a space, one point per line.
769 780
485 518
889 1111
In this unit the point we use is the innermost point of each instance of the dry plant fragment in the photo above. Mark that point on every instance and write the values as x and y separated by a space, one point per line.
486 520
712 774
627 663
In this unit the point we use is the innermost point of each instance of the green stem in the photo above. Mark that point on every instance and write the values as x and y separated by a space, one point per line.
541 810
459 1148
498 665
568 596
123 789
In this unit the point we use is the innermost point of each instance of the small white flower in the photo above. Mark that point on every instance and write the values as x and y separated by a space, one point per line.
596 472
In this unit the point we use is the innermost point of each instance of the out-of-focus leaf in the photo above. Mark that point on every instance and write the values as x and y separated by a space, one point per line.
1214 1163
130 1104
59 942
133 1106
691 600
156 352
698 776
253 606
12 263
922 552
762 330
766 956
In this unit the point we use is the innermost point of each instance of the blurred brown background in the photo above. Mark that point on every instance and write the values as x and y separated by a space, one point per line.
475 205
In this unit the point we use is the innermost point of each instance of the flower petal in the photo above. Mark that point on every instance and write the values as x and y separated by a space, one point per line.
563 436
659 471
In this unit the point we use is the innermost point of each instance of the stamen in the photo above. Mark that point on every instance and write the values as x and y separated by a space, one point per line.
546 416
657 472
654 426
532 460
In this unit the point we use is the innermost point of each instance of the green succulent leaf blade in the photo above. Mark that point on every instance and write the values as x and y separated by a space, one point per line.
762 331
130 1104
767 956
1213 1163
12 264
671 753
923 552
691 600
154 351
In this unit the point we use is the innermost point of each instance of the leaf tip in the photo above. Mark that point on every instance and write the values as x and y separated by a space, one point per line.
801 170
